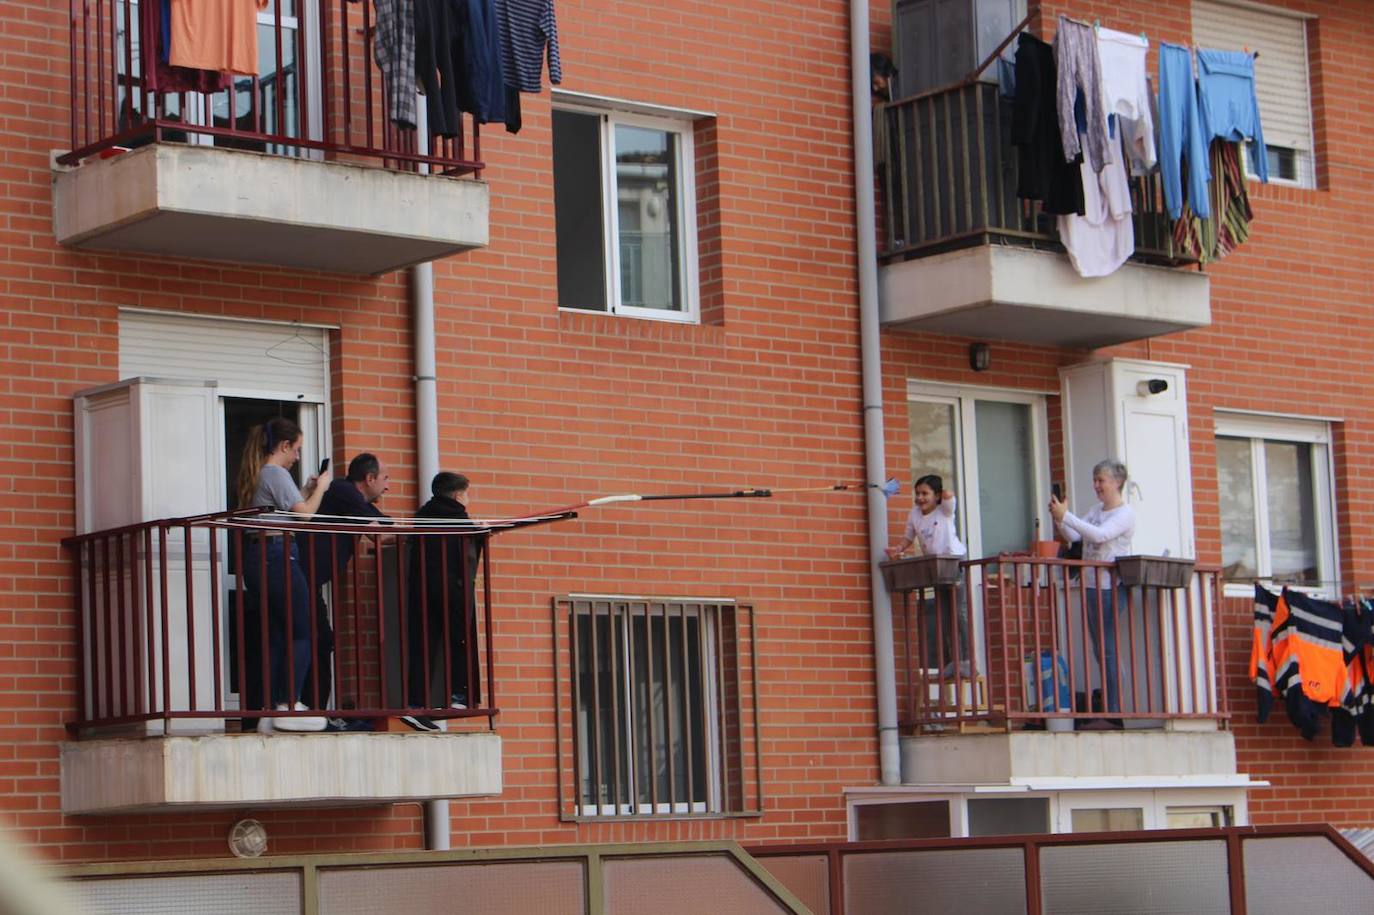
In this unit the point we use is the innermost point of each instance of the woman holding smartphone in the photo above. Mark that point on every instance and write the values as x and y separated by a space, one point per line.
265 481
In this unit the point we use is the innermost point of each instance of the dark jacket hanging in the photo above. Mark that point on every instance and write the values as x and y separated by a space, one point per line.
1042 173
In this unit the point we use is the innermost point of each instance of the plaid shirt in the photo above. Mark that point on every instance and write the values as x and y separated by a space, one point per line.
395 54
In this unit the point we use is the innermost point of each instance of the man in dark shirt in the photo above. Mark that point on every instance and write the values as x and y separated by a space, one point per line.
443 594
345 502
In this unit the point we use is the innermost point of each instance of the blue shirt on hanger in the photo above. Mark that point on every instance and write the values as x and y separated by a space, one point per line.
1230 107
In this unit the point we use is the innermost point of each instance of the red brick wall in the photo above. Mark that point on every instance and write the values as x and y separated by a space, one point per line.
1292 332
538 407
542 407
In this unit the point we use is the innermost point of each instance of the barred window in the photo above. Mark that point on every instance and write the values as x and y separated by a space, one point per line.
659 708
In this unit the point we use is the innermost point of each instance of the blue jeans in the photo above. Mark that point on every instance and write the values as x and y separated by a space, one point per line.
1102 628
283 573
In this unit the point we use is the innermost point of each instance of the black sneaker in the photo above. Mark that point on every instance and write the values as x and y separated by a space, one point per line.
420 722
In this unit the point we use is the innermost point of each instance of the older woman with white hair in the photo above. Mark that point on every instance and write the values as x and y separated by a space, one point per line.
1105 530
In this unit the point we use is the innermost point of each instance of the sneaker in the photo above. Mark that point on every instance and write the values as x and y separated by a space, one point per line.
458 701
420 722
309 723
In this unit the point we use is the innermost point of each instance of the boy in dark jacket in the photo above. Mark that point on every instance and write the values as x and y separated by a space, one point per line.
442 591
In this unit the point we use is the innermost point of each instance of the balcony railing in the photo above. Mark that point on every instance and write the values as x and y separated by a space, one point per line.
1023 642
319 91
180 619
950 178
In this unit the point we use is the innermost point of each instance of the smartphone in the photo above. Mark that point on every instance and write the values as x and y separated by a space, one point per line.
1058 491
324 465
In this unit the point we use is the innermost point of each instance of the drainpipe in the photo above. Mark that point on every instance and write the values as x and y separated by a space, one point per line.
426 433
889 751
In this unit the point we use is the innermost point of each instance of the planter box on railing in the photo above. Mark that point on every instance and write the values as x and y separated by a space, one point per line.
920 572
1154 571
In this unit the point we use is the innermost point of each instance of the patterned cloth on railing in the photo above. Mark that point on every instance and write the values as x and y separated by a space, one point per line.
395 52
1228 227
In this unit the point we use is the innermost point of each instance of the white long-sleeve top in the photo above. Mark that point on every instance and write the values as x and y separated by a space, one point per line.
936 532
1106 535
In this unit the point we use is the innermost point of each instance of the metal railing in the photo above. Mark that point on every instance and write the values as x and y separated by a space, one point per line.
187 624
319 91
1235 870
1034 642
950 178
663 718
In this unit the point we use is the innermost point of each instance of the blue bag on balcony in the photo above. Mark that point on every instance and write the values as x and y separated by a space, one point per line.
1051 665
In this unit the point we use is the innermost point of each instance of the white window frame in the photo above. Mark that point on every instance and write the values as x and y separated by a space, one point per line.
962 398
1316 432
713 804
681 126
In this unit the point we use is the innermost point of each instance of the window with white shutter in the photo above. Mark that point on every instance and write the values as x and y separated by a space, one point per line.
1279 37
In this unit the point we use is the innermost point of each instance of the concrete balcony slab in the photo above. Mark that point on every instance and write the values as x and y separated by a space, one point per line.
1006 292
204 202
217 771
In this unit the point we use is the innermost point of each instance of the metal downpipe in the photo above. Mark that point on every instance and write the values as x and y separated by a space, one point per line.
865 221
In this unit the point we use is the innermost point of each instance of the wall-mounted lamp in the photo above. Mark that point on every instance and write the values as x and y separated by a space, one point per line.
1151 386
979 357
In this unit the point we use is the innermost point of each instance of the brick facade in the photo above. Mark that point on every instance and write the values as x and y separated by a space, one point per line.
542 407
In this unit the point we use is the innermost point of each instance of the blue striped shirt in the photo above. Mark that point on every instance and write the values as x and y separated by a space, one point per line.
527 28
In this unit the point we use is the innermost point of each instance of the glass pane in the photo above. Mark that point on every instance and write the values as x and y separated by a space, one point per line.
579 229
1008 816
1108 819
1197 817
1329 882
603 741
276 107
1236 492
1006 491
1137 877
647 204
1292 511
932 433
964 880
669 711
917 820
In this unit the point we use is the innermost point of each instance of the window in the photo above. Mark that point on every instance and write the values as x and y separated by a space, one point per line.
658 711
903 820
1107 819
990 449
625 214
1011 816
1281 79
1198 817
1274 487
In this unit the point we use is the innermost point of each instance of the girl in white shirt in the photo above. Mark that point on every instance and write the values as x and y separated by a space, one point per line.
1106 530
931 524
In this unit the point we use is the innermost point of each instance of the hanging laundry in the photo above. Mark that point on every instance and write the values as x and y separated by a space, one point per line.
1126 94
481 80
1042 171
1180 133
1080 70
1228 226
161 76
1230 107
220 35
1260 674
1309 658
1103 238
394 51
435 66
529 29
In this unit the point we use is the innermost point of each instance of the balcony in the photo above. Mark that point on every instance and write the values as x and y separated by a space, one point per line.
966 256
175 654
299 166
1027 703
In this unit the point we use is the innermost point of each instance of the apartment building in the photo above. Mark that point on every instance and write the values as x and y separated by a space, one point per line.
652 288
